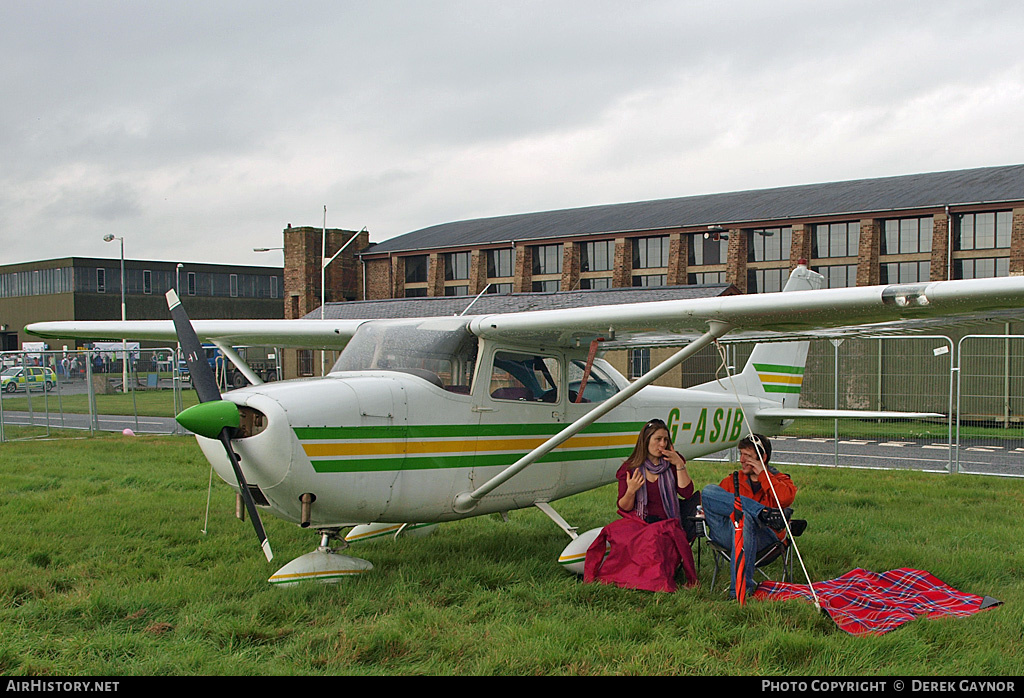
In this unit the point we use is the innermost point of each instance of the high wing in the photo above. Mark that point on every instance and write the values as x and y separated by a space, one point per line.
794 314
315 334
784 315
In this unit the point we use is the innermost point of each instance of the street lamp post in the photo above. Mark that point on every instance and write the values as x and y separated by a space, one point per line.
124 342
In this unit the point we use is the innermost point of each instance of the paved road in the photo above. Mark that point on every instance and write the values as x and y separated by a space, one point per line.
988 455
106 422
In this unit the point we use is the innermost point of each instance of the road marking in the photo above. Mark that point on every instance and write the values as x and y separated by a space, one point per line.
897 444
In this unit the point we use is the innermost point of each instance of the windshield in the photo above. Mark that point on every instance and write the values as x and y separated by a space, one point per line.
441 350
11 372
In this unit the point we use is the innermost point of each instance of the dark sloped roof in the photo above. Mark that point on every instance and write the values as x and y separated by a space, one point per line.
491 303
982 185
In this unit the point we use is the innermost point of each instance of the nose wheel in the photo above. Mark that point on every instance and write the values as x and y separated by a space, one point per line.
323 565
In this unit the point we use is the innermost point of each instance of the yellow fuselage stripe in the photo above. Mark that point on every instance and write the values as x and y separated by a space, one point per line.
794 380
376 448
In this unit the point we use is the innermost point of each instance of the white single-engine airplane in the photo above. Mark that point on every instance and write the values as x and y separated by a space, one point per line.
436 419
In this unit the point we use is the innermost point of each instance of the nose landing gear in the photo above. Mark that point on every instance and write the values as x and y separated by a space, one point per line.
323 565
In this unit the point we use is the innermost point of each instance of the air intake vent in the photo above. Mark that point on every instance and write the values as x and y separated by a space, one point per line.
257 496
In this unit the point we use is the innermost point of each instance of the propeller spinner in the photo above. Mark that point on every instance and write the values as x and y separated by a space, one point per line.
213 417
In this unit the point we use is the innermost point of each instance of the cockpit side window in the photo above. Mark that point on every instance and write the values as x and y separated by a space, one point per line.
525 377
600 385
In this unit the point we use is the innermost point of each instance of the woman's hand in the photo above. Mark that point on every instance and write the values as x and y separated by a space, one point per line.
679 463
634 481
674 457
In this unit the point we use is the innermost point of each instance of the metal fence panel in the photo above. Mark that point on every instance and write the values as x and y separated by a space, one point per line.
990 405
87 391
978 383
905 374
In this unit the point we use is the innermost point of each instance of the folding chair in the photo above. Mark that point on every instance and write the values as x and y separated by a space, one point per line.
779 549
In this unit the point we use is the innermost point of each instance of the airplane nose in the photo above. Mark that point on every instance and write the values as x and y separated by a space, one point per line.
263 438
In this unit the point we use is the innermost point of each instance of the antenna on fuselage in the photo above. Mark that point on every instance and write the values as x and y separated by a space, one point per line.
474 300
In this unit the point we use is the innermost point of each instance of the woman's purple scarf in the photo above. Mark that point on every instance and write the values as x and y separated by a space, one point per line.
666 488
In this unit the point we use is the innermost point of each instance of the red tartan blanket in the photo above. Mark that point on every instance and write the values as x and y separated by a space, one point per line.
862 602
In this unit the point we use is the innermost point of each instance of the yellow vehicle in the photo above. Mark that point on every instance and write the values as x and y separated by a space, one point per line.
30 377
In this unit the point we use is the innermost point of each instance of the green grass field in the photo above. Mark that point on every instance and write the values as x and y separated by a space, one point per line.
105 571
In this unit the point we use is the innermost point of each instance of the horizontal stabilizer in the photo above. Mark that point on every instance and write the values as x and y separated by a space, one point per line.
808 413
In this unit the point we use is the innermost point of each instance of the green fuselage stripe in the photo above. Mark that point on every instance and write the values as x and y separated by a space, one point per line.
781 388
779 368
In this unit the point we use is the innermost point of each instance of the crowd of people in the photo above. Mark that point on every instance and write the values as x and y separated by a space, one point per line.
649 546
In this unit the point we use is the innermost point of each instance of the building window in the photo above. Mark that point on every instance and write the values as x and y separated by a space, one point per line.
456 266
101 281
596 282
650 253
983 231
907 236
706 251
233 285
597 256
415 292
649 280
904 272
770 244
500 288
838 275
305 362
984 268
500 263
462 290
639 362
547 259
706 277
549 286
766 280
416 269
836 240
147 281
273 286
191 283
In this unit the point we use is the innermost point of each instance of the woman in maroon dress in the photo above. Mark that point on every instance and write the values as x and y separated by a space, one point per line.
645 547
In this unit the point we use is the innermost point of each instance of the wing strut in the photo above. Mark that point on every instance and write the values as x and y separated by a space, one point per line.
243 368
465 502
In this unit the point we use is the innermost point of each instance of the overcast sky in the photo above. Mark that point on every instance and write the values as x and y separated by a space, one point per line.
199 130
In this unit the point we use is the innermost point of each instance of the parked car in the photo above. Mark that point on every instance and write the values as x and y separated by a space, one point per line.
30 377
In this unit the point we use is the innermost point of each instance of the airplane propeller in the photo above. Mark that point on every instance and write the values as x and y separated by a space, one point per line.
213 417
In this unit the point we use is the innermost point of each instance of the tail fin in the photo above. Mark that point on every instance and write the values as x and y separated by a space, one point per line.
775 370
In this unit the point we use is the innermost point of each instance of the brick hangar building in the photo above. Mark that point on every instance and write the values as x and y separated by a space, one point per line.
935 226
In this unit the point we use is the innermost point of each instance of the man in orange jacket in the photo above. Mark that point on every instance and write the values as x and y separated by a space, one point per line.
764 492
